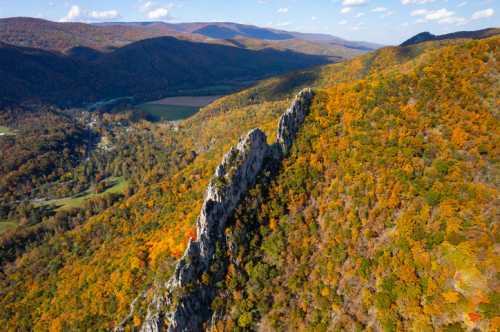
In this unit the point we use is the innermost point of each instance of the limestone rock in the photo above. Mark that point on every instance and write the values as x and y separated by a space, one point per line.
236 174
292 119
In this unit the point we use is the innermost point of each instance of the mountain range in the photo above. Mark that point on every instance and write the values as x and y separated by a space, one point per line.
74 64
38 33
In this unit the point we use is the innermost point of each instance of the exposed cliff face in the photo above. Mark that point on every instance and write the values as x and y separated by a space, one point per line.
292 119
184 304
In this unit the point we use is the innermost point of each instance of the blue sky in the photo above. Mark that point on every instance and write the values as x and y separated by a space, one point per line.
383 21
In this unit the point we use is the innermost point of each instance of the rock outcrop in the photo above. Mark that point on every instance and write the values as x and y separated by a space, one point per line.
184 302
292 119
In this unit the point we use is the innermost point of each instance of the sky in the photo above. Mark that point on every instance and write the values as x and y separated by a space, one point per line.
380 21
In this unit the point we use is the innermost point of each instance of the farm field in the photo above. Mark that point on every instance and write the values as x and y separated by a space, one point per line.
4 131
116 185
176 108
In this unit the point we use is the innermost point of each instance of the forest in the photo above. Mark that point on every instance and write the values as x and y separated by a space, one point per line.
383 217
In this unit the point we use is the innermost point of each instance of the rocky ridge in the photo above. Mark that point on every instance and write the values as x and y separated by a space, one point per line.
184 302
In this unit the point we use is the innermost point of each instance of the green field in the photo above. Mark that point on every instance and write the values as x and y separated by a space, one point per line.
6 225
4 131
161 112
176 108
117 185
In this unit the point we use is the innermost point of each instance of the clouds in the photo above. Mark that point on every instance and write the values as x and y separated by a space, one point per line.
73 14
105 15
441 16
354 3
483 14
158 13
417 2
349 4
76 13
282 10
445 16
153 11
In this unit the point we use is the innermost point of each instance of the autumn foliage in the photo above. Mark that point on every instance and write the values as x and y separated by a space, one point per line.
384 216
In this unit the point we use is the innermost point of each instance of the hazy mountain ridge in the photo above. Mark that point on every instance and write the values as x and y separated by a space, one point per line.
427 36
55 36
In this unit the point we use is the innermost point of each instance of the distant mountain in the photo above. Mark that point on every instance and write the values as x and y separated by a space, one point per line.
56 36
234 30
427 36
147 69
227 30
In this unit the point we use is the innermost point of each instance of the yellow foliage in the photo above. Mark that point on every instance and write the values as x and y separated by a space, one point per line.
451 296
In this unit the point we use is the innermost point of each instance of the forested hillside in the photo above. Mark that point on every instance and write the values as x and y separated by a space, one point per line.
383 217
161 67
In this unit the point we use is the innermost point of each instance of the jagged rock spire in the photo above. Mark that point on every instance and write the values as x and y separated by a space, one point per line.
235 175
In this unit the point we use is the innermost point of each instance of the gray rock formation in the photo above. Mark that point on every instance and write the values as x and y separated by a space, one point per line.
184 303
292 119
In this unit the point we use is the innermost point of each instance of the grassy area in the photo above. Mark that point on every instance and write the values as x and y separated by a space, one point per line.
168 112
4 131
117 185
6 225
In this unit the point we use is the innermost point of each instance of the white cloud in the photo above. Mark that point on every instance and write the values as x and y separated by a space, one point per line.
483 14
439 14
158 13
145 6
345 10
359 15
442 16
353 3
417 2
283 10
463 3
457 20
104 15
379 10
343 22
313 18
74 13
419 12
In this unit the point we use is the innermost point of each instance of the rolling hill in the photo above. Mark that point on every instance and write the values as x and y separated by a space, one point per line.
145 70
427 36
55 36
